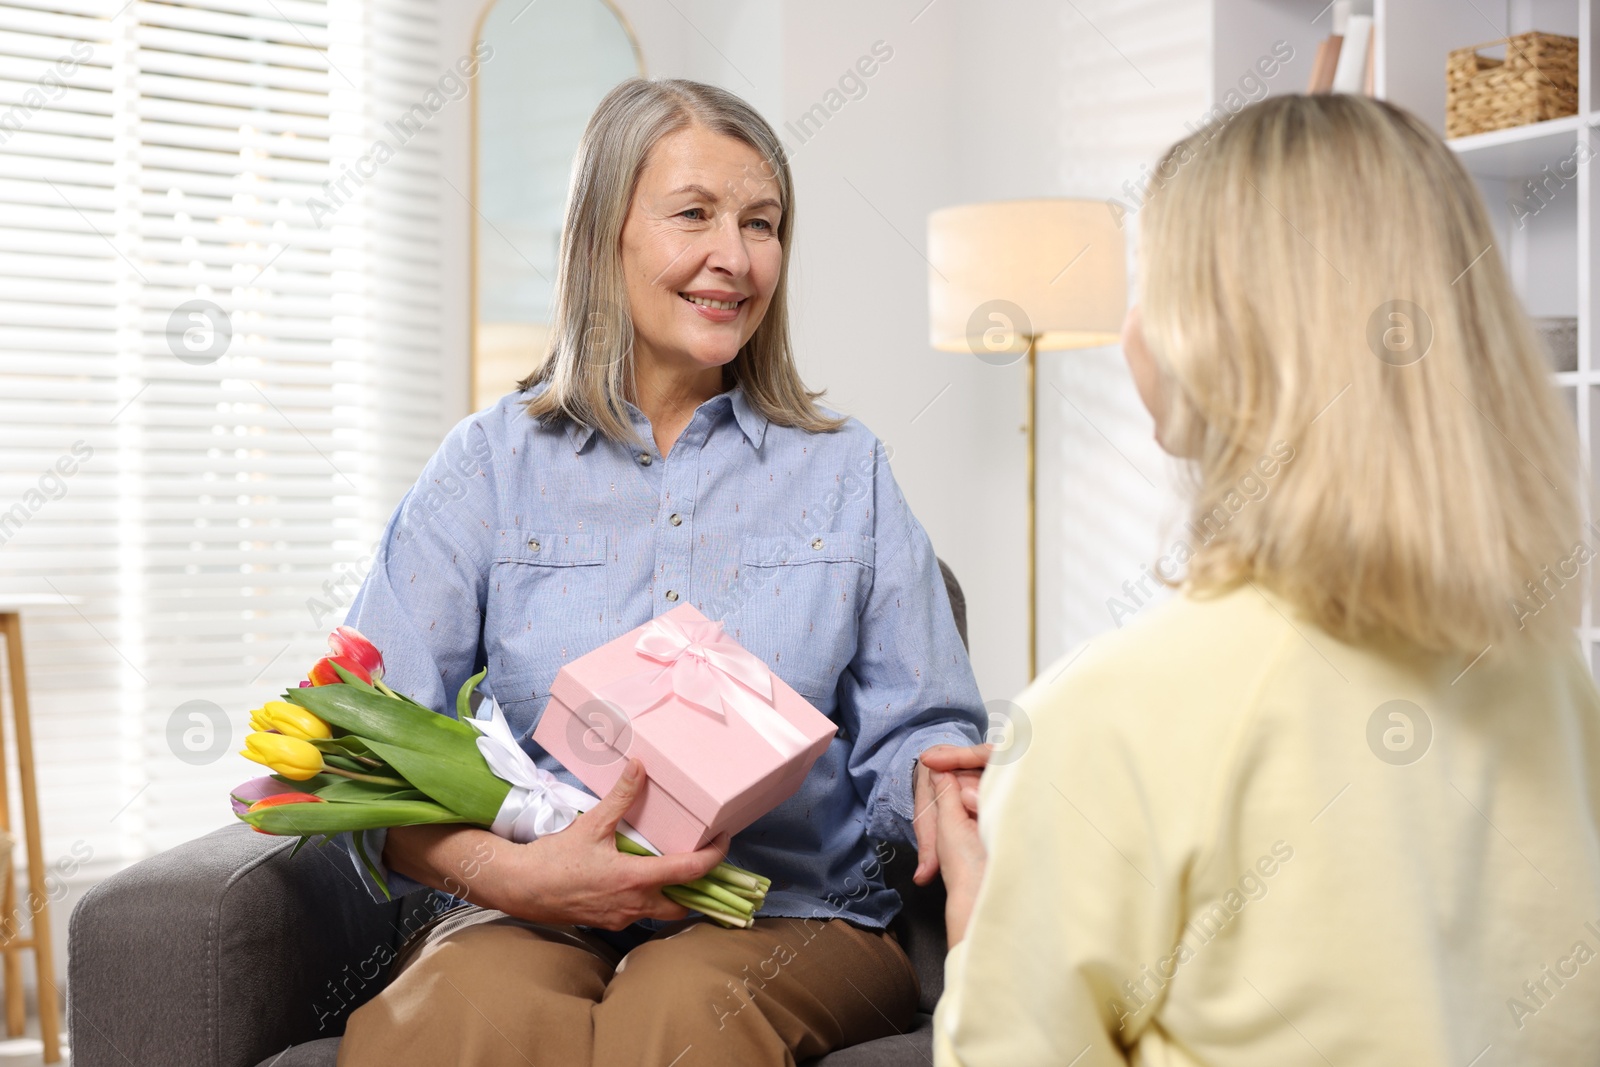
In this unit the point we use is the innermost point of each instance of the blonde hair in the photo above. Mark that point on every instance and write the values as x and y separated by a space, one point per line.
589 361
1318 274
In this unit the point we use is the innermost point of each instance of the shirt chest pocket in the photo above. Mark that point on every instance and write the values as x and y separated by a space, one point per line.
548 602
798 605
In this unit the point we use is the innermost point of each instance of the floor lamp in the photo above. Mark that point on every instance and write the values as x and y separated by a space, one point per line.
1010 279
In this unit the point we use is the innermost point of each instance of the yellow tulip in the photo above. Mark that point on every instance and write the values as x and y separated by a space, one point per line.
288 756
289 720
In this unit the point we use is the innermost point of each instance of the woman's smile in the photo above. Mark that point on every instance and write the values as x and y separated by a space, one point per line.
715 305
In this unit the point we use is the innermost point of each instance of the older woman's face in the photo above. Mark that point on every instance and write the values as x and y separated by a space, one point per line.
700 249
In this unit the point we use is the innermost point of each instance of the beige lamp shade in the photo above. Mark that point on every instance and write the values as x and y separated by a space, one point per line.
1053 270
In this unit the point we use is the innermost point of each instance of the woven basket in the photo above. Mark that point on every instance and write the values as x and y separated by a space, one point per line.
1537 80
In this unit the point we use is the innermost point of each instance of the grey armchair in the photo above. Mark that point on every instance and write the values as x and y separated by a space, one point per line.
228 952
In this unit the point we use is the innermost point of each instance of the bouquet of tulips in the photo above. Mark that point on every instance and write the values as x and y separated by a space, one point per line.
350 754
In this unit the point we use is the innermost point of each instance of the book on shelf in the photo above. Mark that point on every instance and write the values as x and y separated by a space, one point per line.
1322 66
1369 84
1351 73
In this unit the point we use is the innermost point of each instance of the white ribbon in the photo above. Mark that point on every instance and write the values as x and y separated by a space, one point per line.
702 666
539 803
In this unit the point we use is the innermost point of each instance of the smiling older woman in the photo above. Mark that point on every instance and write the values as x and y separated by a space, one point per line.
667 452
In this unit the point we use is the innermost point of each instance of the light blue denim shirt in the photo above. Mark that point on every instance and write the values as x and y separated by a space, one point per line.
523 546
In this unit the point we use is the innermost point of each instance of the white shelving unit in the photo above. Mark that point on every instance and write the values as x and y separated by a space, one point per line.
1551 252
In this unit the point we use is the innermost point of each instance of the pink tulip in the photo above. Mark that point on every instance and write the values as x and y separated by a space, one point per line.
255 789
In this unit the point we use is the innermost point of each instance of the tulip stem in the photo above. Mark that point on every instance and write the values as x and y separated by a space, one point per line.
740 877
729 900
364 777
706 906
377 683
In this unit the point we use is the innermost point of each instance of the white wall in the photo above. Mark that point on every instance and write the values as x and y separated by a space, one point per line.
1130 76
867 182
977 102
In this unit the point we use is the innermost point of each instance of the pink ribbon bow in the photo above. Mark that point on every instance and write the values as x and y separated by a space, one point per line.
702 666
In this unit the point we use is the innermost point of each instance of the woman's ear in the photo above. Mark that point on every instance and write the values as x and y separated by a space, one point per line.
1147 377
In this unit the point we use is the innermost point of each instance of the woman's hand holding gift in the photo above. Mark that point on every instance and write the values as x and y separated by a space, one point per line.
578 876
963 766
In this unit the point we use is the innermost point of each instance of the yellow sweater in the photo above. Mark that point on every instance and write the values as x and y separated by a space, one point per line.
1233 840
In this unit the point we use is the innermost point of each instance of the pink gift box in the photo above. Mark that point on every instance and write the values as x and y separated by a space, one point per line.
722 738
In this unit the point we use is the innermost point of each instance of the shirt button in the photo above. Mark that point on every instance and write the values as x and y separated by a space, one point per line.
644 459
533 545
676 519
817 543
672 594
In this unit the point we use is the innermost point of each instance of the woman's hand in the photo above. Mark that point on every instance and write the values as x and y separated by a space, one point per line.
962 852
576 876
965 765
967 762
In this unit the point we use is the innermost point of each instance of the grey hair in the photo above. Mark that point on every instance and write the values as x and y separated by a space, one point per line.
589 361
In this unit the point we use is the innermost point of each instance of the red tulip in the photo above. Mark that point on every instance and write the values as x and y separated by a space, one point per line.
347 643
350 650
322 672
285 798
282 798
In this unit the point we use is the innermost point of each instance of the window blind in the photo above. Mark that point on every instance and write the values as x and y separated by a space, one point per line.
64 309
205 285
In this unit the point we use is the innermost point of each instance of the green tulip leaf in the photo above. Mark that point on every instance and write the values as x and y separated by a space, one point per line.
341 816
347 745
464 695
372 869
350 789
310 785
351 678
455 776
413 703
373 717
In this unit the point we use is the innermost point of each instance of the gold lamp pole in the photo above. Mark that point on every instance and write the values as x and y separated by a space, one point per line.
1016 277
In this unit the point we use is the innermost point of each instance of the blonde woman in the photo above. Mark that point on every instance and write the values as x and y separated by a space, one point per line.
1337 801
666 452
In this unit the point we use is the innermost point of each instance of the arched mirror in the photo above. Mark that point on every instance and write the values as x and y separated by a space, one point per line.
552 62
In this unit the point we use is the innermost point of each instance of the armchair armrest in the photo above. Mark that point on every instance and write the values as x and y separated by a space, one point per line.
224 951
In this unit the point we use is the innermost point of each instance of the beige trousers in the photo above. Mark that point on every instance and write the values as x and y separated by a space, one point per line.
482 988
